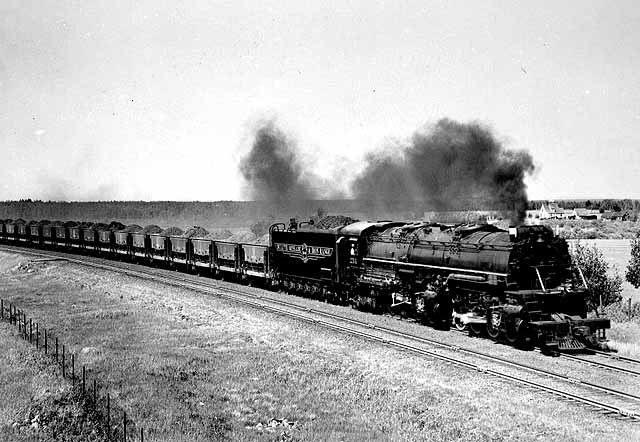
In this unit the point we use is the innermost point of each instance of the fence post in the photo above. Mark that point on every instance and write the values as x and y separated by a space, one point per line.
73 369
629 308
108 417
1 308
84 377
141 434
94 393
37 336
56 349
24 325
30 331
63 361
124 426
46 346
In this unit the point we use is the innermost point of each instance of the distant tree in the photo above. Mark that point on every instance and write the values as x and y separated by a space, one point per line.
587 205
596 271
632 274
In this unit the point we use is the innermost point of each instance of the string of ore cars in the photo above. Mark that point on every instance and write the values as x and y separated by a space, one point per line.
517 286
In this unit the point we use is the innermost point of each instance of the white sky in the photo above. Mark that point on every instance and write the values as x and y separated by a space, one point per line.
154 99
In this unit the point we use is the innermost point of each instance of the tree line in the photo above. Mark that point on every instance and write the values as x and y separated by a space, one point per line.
616 205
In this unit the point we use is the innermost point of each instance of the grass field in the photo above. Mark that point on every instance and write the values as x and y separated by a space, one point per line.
190 367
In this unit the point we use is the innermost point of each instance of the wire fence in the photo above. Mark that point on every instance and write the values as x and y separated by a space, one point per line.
114 422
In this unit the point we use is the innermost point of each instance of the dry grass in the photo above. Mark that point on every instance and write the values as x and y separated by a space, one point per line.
625 337
37 404
191 367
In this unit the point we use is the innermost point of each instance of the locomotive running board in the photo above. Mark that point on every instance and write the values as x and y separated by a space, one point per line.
427 266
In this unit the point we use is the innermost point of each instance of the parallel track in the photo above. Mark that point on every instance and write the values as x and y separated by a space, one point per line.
602 398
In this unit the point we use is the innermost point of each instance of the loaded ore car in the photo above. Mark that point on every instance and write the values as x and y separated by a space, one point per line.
10 229
201 252
22 233
122 242
35 233
178 249
140 244
61 234
47 233
254 262
225 258
90 237
106 240
75 236
158 247
3 230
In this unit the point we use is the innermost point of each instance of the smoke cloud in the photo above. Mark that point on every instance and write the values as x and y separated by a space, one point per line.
448 167
273 168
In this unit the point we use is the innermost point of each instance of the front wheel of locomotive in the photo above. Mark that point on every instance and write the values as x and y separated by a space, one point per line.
517 334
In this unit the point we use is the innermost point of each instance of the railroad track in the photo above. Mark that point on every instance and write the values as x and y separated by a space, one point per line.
612 361
598 397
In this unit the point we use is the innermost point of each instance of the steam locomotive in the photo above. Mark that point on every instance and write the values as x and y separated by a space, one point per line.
517 286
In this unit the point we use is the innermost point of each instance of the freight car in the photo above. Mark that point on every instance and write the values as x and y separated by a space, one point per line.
517 286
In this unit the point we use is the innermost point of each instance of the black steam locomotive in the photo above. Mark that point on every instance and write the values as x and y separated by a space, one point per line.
517 285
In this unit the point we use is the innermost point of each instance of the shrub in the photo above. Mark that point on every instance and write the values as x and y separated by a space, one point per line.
633 268
595 269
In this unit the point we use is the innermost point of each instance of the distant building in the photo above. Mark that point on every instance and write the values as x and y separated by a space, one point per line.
615 216
588 214
552 210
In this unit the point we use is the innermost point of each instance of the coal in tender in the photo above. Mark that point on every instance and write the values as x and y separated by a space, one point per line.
151 229
334 221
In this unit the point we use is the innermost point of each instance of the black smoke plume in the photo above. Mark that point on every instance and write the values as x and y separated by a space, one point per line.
448 167
273 168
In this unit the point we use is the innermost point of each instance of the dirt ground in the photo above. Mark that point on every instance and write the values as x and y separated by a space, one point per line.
192 367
